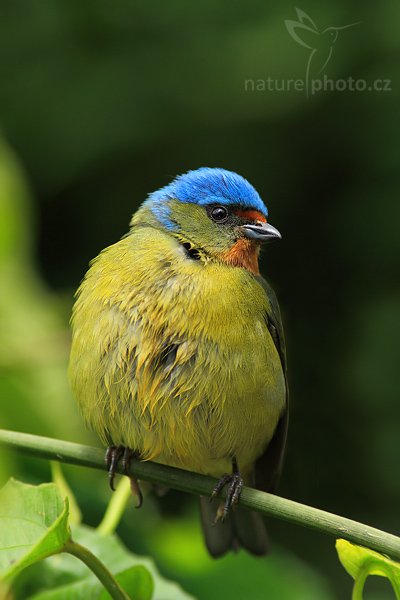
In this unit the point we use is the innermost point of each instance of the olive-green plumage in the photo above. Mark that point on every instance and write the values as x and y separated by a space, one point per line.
178 354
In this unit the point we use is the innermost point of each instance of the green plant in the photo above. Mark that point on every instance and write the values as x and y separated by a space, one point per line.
36 522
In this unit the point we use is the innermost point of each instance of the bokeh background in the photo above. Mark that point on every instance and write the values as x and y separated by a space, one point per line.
102 103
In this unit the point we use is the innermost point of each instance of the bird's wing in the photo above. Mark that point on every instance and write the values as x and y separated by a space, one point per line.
268 467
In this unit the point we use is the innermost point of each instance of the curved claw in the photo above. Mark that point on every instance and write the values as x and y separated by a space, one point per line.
112 458
220 485
235 483
233 495
136 491
114 455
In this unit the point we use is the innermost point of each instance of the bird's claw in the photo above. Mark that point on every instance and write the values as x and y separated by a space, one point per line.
235 485
112 458
114 455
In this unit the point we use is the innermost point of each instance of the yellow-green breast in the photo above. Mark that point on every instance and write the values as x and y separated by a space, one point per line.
172 357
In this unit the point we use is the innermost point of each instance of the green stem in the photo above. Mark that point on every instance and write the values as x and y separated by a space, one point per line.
115 508
378 566
359 584
374 568
95 565
267 504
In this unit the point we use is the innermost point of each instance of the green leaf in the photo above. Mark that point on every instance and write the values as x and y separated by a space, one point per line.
68 578
33 525
362 562
137 583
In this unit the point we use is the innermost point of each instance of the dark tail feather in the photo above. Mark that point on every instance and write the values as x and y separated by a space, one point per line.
241 529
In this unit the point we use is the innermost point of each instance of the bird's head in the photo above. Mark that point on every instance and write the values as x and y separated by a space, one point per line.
215 214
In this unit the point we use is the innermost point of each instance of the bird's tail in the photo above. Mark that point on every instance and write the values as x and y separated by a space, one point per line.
241 529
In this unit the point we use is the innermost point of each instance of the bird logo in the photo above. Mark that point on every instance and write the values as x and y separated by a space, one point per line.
320 42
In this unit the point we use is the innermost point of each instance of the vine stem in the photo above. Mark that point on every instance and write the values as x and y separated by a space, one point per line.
267 504
115 507
98 568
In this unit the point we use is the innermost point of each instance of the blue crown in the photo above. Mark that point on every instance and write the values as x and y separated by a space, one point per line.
206 186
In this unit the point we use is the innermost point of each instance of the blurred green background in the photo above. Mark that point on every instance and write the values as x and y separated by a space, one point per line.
102 103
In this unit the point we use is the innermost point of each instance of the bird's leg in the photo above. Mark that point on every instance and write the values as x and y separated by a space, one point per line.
235 484
114 455
112 458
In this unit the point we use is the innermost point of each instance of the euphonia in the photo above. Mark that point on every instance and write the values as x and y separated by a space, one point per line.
178 352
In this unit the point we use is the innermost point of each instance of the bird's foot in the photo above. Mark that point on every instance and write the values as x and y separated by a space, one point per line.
235 485
115 455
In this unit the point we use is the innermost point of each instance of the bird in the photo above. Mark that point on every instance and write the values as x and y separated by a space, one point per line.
320 42
178 353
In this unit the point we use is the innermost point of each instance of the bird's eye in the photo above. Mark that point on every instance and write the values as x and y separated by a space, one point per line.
219 214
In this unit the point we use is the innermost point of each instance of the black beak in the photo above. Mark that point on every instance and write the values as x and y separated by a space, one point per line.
261 232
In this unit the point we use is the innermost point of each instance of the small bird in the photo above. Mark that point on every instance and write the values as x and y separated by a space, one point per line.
178 352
